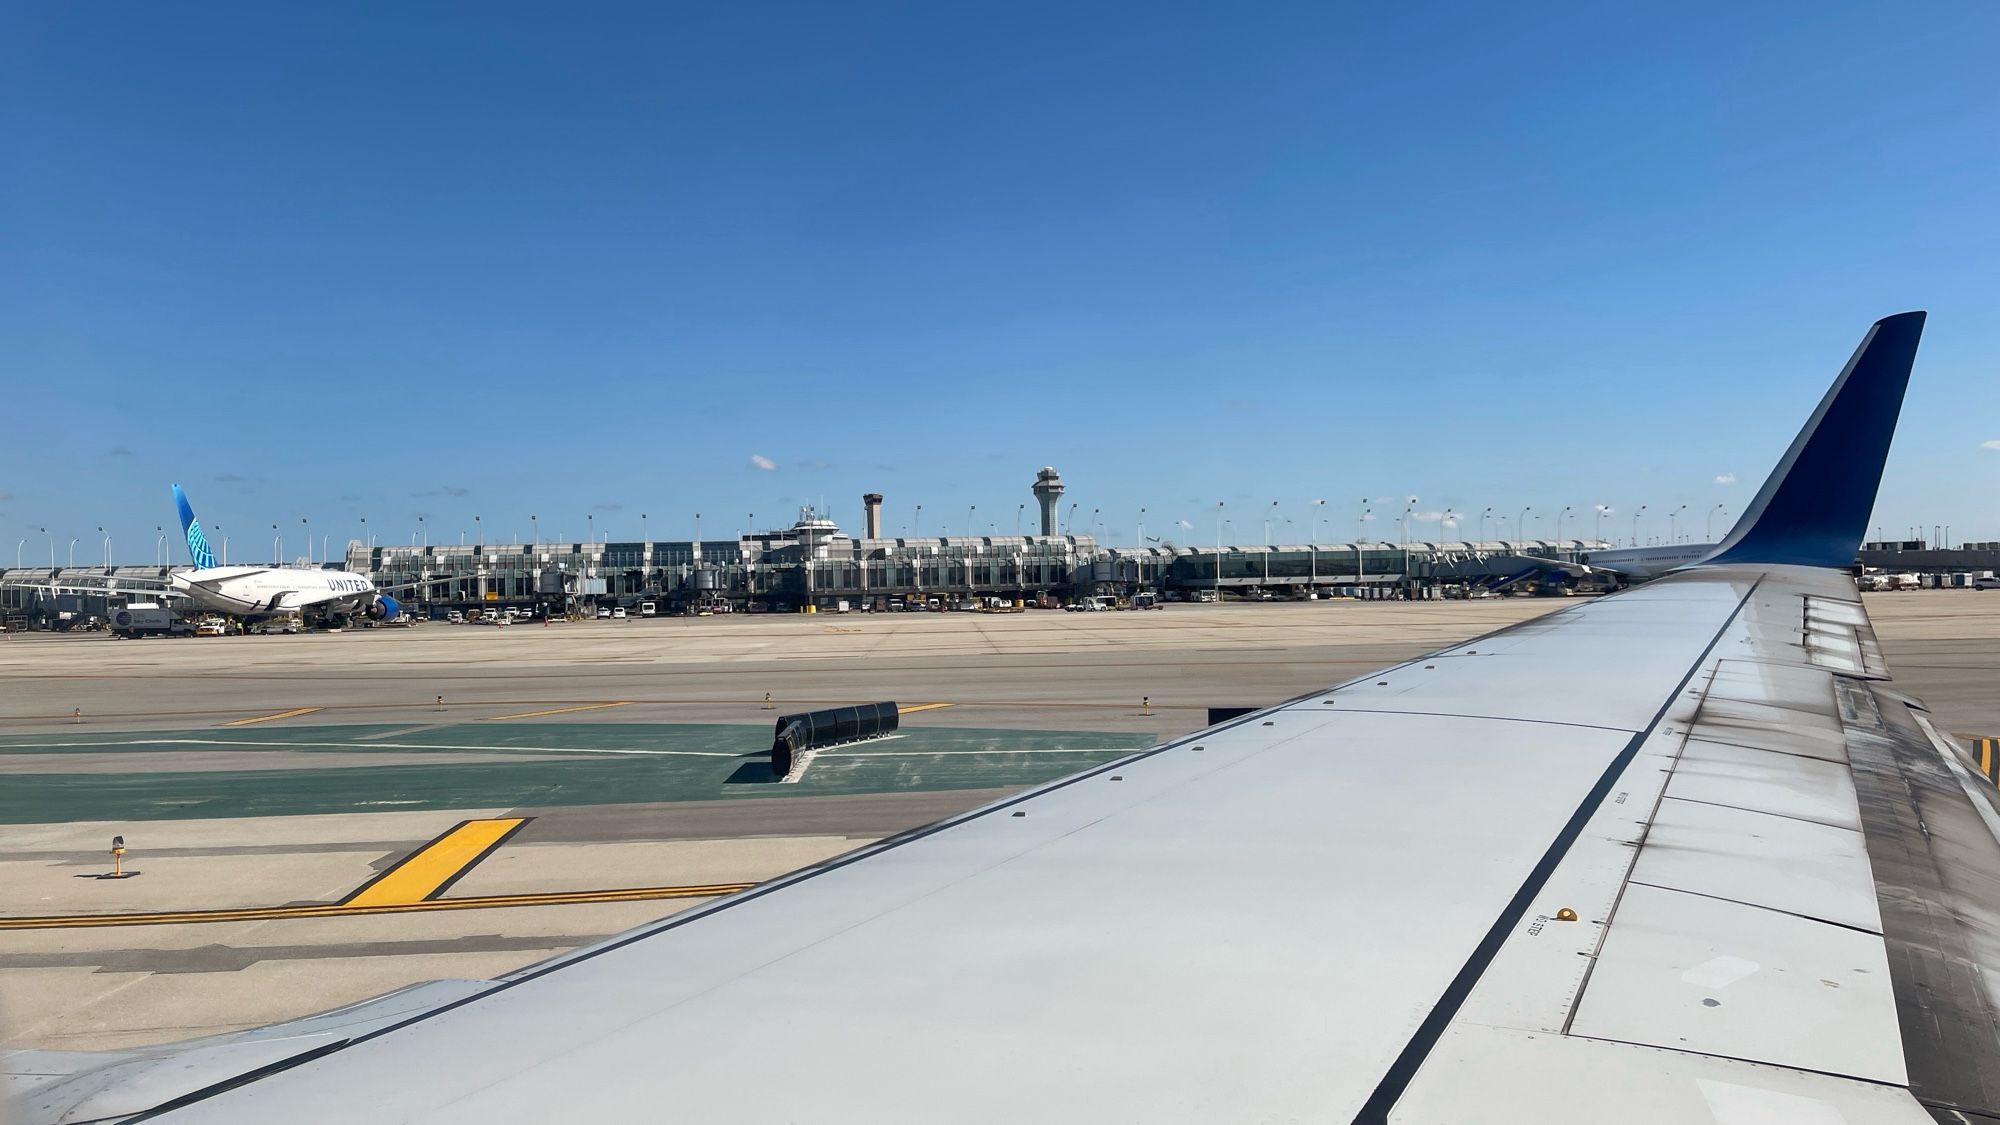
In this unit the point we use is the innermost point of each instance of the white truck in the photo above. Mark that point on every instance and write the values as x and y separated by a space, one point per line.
148 619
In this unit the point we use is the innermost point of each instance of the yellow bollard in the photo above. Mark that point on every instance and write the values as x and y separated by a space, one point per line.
77 718
1146 704
440 705
117 857
767 701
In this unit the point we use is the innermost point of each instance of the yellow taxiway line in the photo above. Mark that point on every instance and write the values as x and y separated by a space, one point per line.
428 871
340 910
559 711
291 714
921 707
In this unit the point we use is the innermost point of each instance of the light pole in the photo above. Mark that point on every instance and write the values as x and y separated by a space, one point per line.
18 548
1559 522
1521 529
1312 545
917 524
479 531
1019 509
1403 523
107 551
309 540
969 509
159 546
52 550
1268 518
1710 528
1360 537
1635 524
1142 529
72 553
277 547
366 540
1482 524
1218 552
424 530
225 546
535 529
1597 531
1071 522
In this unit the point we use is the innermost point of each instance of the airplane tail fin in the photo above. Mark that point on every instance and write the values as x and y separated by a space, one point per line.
198 548
1813 511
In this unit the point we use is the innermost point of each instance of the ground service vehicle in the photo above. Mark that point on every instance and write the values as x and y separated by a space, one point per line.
148 620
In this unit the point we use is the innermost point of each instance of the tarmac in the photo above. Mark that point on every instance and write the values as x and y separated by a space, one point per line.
307 825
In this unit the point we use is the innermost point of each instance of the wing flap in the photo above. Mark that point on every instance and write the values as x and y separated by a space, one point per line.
1777 862
1690 973
1501 1074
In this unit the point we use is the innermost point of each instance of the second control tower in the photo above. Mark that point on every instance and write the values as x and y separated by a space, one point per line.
1048 490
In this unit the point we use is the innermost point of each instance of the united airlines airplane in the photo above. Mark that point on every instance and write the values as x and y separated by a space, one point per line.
326 596
1679 854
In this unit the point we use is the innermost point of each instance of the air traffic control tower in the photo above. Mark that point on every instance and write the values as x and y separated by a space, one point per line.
1048 490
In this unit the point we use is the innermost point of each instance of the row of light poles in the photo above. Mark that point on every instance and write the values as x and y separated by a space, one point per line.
421 535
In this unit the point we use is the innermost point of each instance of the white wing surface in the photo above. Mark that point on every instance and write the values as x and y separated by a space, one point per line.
1673 855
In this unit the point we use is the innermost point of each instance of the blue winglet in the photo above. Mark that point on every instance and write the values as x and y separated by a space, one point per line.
198 548
1813 511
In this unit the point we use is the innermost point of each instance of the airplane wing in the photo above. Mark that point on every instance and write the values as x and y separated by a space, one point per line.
1679 854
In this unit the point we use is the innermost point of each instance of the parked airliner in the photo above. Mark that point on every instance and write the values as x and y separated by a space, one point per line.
326 596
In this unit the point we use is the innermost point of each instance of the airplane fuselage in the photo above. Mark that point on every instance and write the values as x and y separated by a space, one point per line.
264 589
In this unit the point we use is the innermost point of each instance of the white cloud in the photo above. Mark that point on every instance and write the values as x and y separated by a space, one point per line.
759 461
1992 445
1185 525
1367 516
1726 478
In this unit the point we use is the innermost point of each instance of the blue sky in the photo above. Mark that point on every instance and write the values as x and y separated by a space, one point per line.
501 261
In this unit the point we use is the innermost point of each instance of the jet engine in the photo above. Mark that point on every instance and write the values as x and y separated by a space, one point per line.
384 608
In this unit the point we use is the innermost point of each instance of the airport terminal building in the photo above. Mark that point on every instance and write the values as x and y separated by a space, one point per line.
815 563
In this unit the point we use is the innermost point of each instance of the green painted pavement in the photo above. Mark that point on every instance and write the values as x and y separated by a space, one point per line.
661 762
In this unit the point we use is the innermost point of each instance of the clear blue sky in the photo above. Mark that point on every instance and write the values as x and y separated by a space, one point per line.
382 260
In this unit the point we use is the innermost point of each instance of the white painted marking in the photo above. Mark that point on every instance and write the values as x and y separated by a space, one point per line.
1720 972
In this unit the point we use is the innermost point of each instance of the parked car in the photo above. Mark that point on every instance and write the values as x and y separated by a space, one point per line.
211 629
617 613
603 613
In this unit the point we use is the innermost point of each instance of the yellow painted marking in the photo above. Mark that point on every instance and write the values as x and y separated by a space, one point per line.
921 707
339 910
432 866
291 714
558 711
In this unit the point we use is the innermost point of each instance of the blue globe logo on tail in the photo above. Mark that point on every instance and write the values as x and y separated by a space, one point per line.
198 548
